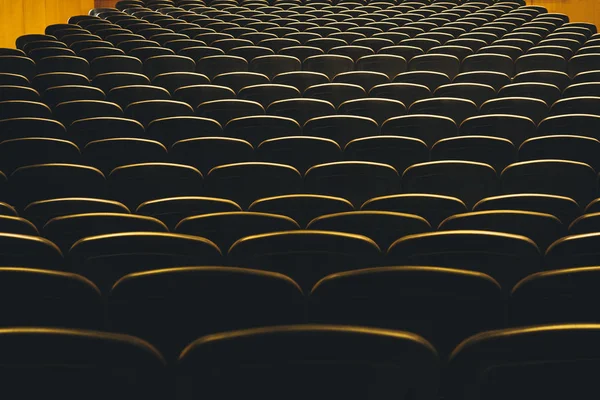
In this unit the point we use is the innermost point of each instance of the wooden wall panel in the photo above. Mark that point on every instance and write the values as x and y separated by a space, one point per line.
577 10
18 17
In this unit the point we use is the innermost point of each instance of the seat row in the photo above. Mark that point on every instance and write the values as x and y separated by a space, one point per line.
321 360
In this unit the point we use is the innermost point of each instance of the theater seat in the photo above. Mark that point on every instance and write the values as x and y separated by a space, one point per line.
317 359
238 298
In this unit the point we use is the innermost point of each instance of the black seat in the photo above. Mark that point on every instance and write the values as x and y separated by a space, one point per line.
258 128
315 352
224 229
46 181
171 210
456 303
66 230
246 182
136 183
15 153
564 178
290 252
301 109
384 227
104 259
232 291
505 257
43 354
302 208
356 181
428 128
450 178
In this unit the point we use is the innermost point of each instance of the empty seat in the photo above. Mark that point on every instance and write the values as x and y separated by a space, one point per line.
458 109
104 259
17 225
565 208
172 81
495 151
475 92
136 183
407 93
356 181
535 109
194 95
265 94
125 95
559 296
398 151
272 65
19 128
149 110
28 251
301 152
18 65
97 128
290 252
328 64
505 257
15 153
46 181
11 92
300 109
564 178
542 228
171 210
24 108
115 63
71 111
206 153
587 223
583 63
134 307
60 94
335 93
444 63
50 299
562 147
111 80
212 66
257 128
226 110
122 151
388 64
455 302
577 124
224 229
512 127
582 89
431 79
489 62
384 227
302 208
429 128
315 351
559 79
66 230
378 109
43 354
548 360
301 79
466 180
583 105
246 182
544 91
238 80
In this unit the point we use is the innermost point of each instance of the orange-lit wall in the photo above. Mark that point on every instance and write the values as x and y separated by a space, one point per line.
18 17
